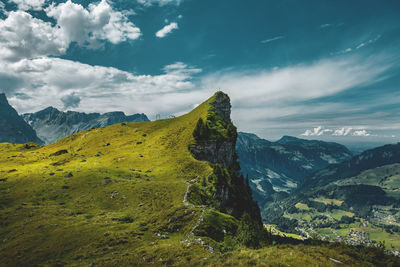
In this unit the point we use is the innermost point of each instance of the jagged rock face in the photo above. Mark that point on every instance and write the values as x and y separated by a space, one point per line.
284 163
218 151
232 195
53 125
13 129
222 106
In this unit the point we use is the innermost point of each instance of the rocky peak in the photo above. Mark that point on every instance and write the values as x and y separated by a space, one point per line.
222 105
217 146
3 98
13 128
215 140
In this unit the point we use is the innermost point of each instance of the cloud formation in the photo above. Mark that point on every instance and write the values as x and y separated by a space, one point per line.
24 36
99 21
167 29
272 39
360 133
317 131
71 100
69 84
344 131
29 4
159 2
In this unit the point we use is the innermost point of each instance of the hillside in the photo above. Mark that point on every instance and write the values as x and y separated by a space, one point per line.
357 201
120 189
283 165
13 128
52 125
134 194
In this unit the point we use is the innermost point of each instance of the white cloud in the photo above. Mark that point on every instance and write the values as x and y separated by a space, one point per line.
24 36
159 2
344 131
360 133
359 46
99 21
263 98
317 131
272 39
29 4
371 41
329 25
167 29
65 84
291 86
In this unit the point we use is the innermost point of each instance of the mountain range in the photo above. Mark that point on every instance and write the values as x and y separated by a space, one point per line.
52 125
283 165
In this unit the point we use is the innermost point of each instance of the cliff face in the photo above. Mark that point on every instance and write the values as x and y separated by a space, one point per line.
52 125
215 140
217 147
13 129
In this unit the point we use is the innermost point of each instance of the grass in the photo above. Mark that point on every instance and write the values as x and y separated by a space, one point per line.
114 191
387 177
275 231
116 199
328 201
302 206
338 214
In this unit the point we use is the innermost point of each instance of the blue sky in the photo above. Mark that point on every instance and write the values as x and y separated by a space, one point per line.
323 69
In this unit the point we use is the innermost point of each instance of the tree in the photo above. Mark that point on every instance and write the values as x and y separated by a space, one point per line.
201 131
198 130
248 232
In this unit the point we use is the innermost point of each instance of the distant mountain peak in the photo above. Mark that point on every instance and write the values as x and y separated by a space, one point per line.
52 124
287 139
3 98
13 128
286 162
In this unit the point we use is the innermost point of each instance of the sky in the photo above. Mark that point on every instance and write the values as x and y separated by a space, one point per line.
317 69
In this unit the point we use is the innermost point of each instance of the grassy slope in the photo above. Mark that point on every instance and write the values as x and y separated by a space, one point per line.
116 198
47 215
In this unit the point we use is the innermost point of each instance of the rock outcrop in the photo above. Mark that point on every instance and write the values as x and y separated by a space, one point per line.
13 129
215 140
52 125
218 146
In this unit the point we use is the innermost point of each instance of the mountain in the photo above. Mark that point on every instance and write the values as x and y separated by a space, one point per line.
284 164
167 192
369 159
13 128
144 191
356 201
52 125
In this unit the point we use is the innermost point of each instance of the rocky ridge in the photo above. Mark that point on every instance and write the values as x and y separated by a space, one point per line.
52 125
13 128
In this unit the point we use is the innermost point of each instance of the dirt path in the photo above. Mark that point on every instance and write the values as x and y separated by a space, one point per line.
190 237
